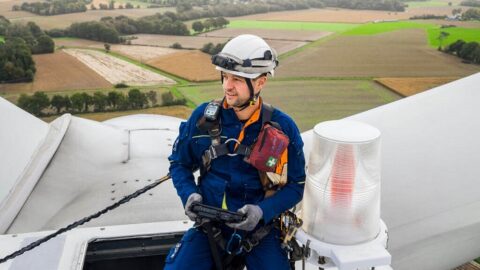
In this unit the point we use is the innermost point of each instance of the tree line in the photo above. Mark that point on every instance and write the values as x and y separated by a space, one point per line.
468 51
52 8
210 23
110 29
21 41
40 104
470 3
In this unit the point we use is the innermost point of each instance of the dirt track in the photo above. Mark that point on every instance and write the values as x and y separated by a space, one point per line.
116 70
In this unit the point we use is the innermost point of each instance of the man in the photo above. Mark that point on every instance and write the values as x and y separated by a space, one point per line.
229 180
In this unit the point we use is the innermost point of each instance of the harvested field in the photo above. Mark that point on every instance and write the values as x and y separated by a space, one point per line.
270 34
197 42
175 111
65 20
142 53
137 52
402 53
345 15
116 70
192 65
411 86
58 71
77 42
310 101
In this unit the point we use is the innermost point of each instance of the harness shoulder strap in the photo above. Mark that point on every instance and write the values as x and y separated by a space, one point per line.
267 113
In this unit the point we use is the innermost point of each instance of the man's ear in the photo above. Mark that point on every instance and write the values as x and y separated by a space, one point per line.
260 82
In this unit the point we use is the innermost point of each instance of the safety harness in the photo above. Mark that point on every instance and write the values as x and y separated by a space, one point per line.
210 123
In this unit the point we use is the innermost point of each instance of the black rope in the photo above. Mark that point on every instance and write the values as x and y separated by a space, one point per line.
84 220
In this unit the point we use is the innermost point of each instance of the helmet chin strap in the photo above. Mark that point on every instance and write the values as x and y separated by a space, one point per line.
253 98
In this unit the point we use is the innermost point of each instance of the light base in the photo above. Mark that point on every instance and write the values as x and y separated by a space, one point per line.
348 257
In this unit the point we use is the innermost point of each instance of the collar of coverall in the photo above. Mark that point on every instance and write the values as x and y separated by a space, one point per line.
253 118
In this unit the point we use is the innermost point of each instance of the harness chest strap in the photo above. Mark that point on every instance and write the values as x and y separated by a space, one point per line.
218 150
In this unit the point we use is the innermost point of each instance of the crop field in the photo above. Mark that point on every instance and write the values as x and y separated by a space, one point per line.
310 101
402 53
65 20
433 30
197 42
411 86
297 26
77 42
192 65
270 34
116 70
175 111
58 71
337 15
142 53
6 9
455 33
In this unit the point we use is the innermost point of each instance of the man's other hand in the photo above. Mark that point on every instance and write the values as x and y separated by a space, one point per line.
253 215
194 197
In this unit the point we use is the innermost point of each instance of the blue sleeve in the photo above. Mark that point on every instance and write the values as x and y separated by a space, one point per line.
292 192
182 160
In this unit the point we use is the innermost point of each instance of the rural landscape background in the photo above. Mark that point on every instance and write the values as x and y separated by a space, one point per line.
100 59
334 61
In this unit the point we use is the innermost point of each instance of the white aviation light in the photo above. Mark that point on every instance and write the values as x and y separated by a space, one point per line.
341 203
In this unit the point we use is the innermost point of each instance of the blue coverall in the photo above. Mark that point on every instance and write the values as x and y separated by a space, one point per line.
238 181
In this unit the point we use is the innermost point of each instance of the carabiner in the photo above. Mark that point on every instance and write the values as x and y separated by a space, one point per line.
238 247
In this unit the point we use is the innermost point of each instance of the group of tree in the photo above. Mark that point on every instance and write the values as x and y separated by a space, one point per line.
471 14
52 8
469 51
212 49
21 41
111 5
470 3
110 29
210 23
40 104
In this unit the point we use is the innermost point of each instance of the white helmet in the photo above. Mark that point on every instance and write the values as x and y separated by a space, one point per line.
246 56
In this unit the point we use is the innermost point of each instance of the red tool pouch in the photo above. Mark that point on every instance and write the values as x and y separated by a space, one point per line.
268 153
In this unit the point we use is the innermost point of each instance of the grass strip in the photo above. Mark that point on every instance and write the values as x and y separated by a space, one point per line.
383 27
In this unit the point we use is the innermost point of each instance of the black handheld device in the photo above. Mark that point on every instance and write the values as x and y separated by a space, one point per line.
211 111
216 214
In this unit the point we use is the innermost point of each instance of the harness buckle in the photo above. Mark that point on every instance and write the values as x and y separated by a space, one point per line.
232 140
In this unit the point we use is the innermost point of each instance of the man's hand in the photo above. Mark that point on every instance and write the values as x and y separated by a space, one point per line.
194 197
253 215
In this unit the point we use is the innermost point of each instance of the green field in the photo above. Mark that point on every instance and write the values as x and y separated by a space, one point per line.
383 27
330 27
456 33
433 31
309 101
418 4
2 39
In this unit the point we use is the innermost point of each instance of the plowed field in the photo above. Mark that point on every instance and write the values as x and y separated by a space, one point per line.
191 65
411 86
58 71
402 53
116 70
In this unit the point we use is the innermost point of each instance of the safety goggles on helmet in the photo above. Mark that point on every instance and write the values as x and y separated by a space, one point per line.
248 68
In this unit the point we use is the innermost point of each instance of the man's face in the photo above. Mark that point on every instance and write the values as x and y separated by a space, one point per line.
236 90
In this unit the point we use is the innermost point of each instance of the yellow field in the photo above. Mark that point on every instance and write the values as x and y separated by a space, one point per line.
411 86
